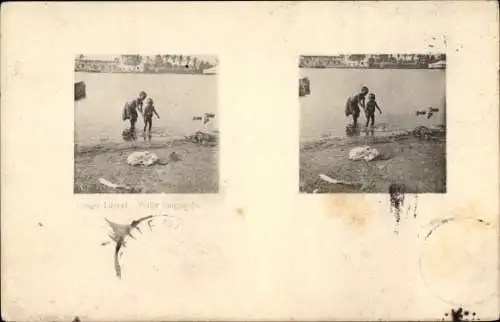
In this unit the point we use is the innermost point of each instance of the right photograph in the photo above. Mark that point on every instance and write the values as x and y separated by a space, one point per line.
372 123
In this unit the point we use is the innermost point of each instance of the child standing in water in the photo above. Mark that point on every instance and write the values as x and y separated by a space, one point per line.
354 103
149 110
371 105
130 110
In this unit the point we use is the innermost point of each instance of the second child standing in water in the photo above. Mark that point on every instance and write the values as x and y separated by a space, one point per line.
371 105
149 110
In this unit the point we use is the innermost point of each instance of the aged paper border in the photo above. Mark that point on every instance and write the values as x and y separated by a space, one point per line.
279 255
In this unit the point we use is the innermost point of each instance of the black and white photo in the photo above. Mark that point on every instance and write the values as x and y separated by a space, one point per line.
146 124
368 121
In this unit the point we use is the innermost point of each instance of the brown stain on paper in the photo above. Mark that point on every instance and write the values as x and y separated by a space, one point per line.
353 210
240 211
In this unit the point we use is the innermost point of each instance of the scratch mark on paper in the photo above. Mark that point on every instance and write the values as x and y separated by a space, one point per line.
413 206
435 224
120 232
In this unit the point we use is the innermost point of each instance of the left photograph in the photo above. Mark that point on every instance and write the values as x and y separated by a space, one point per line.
146 124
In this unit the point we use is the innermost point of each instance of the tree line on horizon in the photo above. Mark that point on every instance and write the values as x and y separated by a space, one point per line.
371 59
159 62
168 61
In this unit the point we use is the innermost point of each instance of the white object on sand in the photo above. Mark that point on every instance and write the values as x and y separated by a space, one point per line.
142 158
363 153
328 179
114 185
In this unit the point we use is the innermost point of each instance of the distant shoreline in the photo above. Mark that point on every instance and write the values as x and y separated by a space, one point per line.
374 67
148 72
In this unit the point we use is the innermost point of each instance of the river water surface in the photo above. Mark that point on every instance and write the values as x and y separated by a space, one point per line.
400 93
177 97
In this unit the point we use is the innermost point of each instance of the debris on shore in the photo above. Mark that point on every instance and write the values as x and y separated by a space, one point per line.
200 137
328 179
174 157
144 158
116 186
427 133
363 153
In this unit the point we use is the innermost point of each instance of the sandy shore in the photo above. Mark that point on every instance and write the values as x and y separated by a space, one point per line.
196 171
417 163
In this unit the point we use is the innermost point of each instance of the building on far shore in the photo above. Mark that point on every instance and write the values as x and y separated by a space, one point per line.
374 61
130 63
145 64
210 71
95 66
438 65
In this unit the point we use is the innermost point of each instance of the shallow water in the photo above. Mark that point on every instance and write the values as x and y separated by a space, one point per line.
400 93
98 118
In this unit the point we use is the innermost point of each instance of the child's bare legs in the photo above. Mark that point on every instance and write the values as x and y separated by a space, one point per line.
132 124
355 116
148 122
370 117
132 128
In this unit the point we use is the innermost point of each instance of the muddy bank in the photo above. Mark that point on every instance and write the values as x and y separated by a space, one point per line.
194 170
418 163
